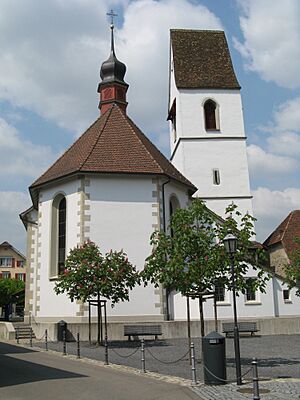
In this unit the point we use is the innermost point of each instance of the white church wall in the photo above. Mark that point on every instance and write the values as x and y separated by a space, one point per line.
50 305
122 218
191 113
262 306
288 307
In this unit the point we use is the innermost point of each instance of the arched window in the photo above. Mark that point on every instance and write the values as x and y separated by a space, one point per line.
173 206
210 115
61 235
58 236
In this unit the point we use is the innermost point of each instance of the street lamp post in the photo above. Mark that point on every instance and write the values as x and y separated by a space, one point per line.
230 243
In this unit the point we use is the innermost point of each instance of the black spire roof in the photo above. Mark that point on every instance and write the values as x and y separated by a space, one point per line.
112 70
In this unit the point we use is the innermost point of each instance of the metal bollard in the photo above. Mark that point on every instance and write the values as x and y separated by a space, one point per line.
18 335
143 355
64 343
194 378
30 337
106 350
46 340
255 380
78 345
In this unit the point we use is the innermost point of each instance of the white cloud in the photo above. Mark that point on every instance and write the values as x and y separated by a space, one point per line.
284 129
287 116
272 206
264 163
19 157
271 32
51 52
11 227
287 143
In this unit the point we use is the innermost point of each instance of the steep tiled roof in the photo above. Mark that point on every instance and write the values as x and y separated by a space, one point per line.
202 60
286 232
113 144
8 245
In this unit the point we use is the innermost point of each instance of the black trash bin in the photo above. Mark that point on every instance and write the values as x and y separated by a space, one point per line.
214 359
61 327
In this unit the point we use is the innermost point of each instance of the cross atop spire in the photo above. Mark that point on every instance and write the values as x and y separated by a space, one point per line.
111 14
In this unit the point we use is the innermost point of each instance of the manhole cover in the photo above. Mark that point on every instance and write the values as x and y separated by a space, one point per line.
250 390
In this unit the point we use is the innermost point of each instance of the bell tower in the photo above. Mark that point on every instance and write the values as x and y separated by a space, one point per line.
207 137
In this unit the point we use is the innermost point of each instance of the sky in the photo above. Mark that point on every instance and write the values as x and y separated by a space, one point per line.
51 53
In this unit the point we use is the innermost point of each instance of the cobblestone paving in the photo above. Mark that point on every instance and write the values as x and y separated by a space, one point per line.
278 357
279 390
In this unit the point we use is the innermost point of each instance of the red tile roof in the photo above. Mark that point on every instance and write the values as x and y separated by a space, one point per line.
113 144
286 232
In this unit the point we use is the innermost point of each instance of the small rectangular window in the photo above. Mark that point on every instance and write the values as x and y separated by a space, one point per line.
20 277
5 275
5 261
286 295
250 291
220 291
216 177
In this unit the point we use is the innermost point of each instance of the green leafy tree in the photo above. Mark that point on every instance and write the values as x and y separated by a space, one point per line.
190 258
292 269
10 291
88 275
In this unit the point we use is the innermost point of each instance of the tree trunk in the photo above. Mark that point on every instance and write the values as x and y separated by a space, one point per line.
201 316
189 326
98 318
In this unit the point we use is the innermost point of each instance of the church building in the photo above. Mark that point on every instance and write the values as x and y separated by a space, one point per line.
114 187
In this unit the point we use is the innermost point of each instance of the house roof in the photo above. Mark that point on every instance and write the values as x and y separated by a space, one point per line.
112 144
202 60
286 232
8 245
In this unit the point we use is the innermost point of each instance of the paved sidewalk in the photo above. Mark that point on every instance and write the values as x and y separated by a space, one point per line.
279 362
34 375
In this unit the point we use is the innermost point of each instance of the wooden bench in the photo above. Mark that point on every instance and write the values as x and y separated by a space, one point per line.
251 327
142 330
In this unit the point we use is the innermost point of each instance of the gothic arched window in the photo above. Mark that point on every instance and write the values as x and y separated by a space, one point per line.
173 206
210 115
58 236
61 239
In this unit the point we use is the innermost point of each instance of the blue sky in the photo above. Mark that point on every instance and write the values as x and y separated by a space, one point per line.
51 52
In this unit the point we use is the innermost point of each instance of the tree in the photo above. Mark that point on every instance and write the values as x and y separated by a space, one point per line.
9 290
88 274
190 257
292 270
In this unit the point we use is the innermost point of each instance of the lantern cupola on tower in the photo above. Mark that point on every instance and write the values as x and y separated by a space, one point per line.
112 88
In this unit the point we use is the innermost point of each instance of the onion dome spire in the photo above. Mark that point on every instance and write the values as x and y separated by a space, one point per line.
112 88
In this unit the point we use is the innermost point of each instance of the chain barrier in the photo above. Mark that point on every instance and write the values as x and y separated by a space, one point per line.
226 380
124 356
167 362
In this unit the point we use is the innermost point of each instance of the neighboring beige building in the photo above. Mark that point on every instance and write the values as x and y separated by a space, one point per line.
281 242
12 263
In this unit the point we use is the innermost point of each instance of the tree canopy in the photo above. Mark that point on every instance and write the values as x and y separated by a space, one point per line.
88 273
9 290
292 269
190 257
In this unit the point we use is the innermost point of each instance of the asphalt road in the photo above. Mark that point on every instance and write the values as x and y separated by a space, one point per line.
31 375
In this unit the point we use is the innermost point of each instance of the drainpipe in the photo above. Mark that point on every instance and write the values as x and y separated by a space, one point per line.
165 230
